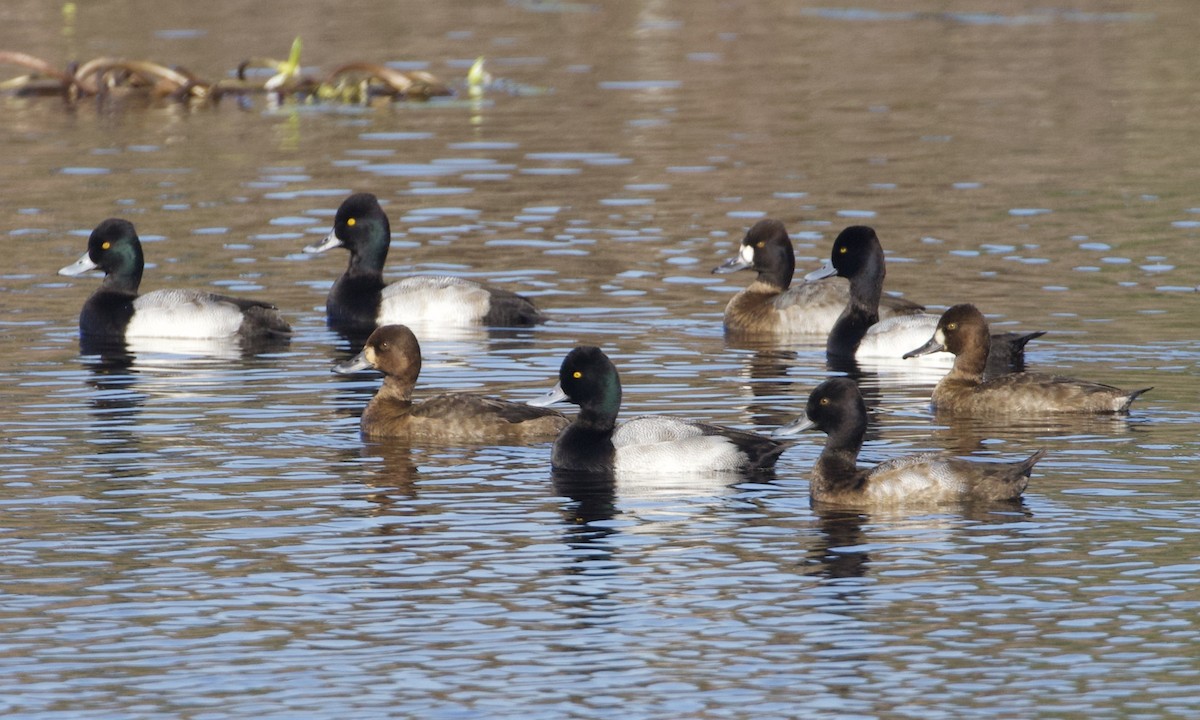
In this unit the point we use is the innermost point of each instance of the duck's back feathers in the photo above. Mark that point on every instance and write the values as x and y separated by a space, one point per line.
1032 394
477 418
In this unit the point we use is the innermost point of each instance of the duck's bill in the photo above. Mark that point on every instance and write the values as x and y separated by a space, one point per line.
556 395
733 264
79 267
358 363
794 428
930 347
330 242
826 270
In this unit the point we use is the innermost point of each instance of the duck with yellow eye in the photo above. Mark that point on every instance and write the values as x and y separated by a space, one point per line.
836 408
595 443
360 300
116 312
450 417
963 331
772 305
860 334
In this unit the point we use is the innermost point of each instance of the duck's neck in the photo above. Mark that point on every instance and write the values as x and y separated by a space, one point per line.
392 400
776 278
850 328
126 275
971 362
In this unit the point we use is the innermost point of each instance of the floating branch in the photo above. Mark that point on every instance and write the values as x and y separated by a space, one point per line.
353 82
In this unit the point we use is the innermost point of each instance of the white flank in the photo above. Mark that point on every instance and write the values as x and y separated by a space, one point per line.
667 445
182 314
434 301
891 338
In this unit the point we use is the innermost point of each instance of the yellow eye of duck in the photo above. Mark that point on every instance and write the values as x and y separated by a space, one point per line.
842 250
350 222
952 326
759 244
105 245
824 401
576 374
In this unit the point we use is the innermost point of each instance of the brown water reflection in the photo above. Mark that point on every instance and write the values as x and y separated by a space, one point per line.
189 533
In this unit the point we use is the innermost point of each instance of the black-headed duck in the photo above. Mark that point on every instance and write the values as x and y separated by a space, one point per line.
115 311
593 442
836 408
772 305
859 333
450 417
963 331
360 300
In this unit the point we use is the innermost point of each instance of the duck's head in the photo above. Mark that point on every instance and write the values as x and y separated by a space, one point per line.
767 249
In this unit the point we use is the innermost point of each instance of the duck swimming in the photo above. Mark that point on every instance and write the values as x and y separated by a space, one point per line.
771 305
450 417
836 408
594 443
963 331
116 311
860 334
360 300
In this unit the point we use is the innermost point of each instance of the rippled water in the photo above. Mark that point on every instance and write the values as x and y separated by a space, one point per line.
204 534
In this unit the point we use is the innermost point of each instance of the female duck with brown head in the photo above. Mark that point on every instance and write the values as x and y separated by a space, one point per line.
963 331
451 417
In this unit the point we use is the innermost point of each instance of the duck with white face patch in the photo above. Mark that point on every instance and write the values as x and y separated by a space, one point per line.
772 305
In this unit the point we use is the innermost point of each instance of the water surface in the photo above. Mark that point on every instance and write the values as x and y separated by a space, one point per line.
203 533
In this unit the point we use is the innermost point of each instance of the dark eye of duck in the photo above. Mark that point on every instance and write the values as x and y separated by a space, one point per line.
383 345
759 244
824 401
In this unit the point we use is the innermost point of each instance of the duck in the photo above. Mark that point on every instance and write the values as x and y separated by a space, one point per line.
860 334
771 305
115 311
360 300
836 408
595 443
449 417
963 331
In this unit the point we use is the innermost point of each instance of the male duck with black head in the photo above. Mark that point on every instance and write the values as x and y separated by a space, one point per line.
116 312
963 331
836 408
360 300
771 305
450 417
860 334
594 443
